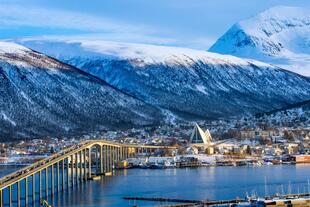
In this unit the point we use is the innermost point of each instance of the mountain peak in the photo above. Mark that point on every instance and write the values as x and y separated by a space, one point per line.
275 20
279 35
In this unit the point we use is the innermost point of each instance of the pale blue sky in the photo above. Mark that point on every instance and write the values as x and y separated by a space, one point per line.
188 23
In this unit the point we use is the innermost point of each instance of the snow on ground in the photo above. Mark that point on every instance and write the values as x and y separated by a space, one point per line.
202 89
141 53
8 47
8 119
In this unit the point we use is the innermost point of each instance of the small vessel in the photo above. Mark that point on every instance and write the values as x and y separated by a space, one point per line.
108 174
96 177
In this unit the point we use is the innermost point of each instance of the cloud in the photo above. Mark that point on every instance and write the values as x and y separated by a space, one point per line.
24 21
12 15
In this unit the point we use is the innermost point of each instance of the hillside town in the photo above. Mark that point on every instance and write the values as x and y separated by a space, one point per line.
256 139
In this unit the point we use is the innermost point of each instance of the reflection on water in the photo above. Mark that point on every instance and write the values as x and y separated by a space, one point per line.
200 183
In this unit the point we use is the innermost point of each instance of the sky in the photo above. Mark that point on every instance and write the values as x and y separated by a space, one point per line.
185 23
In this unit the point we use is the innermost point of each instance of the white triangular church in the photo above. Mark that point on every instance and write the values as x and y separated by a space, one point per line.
200 137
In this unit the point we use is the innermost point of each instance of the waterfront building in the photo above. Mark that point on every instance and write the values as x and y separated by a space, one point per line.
199 137
201 140
3 160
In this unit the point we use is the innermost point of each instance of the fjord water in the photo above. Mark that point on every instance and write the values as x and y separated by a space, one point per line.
201 183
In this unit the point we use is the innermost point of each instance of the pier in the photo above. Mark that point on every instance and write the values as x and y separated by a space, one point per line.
186 202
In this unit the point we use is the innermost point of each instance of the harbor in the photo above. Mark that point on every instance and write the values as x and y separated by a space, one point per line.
212 183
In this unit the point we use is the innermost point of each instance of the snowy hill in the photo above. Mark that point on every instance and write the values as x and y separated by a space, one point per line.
184 83
280 35
40 96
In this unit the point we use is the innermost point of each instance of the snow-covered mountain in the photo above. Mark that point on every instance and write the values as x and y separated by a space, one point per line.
279 35
182 82
40 96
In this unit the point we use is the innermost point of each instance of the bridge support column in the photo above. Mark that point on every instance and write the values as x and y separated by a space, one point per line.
1 198
26 191
121 153
68 173
81 166
105 158
33 189
46 183
118 154
10 196
72 171
40 186
76 168
89 163
18 194
113 157
119 150
101 160
96 160
63 174
85 165
53 182
58 182
110 158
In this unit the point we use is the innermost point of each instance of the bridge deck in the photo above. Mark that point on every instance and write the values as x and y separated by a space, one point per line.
55 158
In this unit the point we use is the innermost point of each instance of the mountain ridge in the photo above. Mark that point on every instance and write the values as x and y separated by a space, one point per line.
41 96
183 81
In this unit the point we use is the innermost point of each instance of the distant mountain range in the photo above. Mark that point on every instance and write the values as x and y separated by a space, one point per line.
61 87
280 36
184 83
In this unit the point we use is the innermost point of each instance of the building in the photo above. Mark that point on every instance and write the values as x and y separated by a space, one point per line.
300 158
3 160
199 137
201 140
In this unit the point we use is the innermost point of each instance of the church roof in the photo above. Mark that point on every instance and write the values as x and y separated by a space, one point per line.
199 136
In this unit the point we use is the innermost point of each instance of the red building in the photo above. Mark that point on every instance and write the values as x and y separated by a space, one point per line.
300 158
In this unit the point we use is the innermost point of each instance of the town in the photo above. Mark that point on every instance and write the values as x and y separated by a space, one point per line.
255 140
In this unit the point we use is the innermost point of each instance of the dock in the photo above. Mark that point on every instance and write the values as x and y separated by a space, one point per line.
159 199
185 202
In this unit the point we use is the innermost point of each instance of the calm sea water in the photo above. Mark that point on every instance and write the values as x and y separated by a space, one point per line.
200 183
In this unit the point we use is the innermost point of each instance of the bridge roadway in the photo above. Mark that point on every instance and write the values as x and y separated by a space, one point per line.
66 169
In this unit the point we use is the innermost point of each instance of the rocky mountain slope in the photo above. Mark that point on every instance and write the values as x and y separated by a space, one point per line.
184 83
280 35
40 96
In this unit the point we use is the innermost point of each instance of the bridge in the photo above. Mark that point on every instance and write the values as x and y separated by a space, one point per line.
64 170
